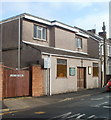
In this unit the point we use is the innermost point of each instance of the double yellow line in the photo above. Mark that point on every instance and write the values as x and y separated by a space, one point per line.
6 111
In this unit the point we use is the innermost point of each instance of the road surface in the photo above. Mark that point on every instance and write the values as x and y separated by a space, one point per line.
94 107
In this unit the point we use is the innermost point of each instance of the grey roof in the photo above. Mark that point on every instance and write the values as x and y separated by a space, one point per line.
22 15
16 16
59 52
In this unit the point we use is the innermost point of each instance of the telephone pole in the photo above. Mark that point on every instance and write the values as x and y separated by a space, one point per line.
104 41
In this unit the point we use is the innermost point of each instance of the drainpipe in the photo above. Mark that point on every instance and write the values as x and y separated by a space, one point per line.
50 82
1 46
19 45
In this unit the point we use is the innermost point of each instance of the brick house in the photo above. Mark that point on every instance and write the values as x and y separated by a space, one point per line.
69 57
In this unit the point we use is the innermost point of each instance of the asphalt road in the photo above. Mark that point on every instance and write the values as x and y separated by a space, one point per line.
95 107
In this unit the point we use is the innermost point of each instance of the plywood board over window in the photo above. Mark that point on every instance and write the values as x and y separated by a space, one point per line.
61 68
95 70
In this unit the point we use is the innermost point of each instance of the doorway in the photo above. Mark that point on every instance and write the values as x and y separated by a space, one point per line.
81 78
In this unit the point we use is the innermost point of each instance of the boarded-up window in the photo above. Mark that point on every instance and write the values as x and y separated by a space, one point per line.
61 68
95 70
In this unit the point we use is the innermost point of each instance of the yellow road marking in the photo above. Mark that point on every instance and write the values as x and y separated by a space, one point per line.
3 110
39 112
8 112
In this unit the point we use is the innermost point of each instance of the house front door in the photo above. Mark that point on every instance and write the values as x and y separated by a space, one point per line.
81 78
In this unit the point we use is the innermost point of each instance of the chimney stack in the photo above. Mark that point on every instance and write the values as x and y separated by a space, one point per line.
101 34
92 31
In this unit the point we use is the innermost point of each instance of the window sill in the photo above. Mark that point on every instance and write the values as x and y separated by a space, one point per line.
79 48
42 40
61 78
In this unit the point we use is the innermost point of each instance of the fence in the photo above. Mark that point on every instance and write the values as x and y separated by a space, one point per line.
15 82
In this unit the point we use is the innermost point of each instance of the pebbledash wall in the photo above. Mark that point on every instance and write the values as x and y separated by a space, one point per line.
55 38
68 84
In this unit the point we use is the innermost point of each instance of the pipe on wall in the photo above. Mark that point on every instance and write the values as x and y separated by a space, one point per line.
50 82
19 45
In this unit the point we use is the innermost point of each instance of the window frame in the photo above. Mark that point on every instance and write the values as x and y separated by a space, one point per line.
79 43
41 29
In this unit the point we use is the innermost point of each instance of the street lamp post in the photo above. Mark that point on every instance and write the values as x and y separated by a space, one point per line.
104 41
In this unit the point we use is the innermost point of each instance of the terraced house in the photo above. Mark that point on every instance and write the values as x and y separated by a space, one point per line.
67 57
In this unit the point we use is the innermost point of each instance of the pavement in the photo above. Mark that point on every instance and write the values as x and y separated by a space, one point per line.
20 103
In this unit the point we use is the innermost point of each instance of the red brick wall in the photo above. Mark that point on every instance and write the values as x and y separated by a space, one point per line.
37 81
1 82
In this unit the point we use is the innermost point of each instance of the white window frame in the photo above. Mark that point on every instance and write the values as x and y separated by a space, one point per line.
79 43
41 29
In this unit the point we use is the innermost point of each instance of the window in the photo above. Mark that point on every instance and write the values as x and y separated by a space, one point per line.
95 70
35 31
79 42
109 50
109 64
61 68
39 32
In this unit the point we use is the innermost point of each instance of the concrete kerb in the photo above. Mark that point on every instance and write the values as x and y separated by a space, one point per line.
22 103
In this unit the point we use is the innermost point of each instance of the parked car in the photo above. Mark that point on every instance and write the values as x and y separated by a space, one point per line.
108 85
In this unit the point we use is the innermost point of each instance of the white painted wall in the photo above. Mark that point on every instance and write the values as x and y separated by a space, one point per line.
62 85
91 82
69 84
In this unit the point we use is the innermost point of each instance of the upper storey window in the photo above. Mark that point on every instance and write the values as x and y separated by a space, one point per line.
40 32
79 43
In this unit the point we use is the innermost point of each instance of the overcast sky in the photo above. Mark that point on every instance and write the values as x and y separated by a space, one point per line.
86 14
